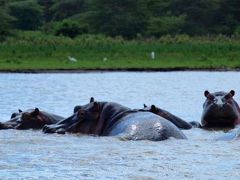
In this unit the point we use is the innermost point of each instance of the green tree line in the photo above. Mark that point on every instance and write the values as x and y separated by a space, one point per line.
126 18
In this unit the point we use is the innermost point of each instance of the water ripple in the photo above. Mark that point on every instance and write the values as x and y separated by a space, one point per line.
34 155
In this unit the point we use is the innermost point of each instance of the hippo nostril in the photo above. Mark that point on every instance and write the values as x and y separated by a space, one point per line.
81 113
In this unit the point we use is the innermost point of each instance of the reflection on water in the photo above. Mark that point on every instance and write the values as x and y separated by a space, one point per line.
34 155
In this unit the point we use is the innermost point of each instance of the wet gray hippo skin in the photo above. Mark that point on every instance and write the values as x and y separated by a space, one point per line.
112 119
145 125
30 119
180 123
220 110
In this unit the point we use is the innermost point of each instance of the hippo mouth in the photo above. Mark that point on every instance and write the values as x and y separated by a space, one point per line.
219 121
219 117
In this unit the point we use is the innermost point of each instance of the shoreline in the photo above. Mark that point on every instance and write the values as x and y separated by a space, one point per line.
93 70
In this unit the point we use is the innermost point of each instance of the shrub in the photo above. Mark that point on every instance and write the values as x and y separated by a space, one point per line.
70 28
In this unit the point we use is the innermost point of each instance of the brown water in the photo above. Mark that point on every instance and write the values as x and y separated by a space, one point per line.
34 155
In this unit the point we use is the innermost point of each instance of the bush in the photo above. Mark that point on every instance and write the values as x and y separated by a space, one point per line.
70 28
63 9
159 26
237 31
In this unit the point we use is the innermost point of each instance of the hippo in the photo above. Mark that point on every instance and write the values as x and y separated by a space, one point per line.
180 123
30 119
113 119
220 110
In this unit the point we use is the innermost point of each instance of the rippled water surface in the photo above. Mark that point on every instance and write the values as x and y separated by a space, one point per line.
34 155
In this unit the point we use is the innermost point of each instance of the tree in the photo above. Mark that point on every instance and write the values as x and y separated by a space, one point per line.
200 14
124 18
165 25
46 4
28 14
161 20
228 17
64 9
5 20
158 8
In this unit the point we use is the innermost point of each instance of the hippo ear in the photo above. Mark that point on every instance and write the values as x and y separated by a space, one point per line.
20 111
76 108
232 92
96 106
206 93
35 112
144 105
153 108
91 99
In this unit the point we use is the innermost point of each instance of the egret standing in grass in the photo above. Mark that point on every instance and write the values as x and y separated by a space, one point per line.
104 59
72 59
152 55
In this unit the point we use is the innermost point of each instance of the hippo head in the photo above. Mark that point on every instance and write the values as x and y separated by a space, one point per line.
16 114
31 119
180 123
220 110
154 109
87 117
76 108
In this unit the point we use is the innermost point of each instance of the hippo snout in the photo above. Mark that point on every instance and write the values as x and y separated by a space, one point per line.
219 108
1 125
222 106
54 128
47 129
219 114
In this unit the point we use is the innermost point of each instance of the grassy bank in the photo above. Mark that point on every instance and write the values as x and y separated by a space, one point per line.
34 51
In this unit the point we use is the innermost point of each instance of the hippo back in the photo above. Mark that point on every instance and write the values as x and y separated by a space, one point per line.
144 126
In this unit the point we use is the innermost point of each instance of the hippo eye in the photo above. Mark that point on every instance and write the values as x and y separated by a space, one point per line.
211 98
80 113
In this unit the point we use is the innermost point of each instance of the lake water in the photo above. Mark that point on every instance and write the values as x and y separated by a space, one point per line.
34 155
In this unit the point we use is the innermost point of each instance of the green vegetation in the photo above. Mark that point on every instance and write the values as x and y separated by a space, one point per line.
36 51
126 18
111 34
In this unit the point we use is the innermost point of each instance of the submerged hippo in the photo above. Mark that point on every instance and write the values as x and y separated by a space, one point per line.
220 110
112 119
30 119
180 123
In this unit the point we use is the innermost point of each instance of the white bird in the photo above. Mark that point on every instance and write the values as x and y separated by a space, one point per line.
104 59
153 55
72 59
